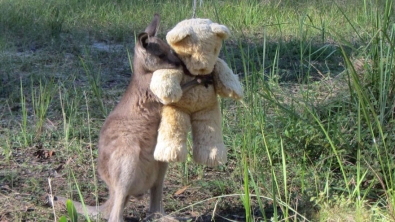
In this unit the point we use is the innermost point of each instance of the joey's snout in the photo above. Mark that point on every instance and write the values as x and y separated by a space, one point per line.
173 59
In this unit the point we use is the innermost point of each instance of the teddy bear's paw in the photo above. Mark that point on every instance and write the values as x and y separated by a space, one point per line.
168 152
173 97
213 156
236 93
166 85
227 84
168 96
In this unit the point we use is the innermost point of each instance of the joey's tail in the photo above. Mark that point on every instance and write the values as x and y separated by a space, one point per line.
59 202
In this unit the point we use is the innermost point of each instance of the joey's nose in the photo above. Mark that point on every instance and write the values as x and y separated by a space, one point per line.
177 63
173 58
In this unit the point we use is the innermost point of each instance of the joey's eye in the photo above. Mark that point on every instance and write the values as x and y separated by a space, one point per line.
161 56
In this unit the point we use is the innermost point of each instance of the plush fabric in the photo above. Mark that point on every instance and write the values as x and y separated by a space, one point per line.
197 42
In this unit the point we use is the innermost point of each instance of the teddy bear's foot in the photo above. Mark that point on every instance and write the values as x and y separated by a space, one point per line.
172 135
211 155
170 152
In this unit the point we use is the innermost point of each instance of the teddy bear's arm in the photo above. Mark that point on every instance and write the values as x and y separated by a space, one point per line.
226 83
166 85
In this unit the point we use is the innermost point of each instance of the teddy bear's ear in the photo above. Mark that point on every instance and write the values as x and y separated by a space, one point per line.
221 30
177 35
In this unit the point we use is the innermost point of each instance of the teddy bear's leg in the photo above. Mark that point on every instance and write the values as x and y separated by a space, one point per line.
172 135
208 145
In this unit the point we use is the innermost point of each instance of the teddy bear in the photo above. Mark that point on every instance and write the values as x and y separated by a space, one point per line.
197 42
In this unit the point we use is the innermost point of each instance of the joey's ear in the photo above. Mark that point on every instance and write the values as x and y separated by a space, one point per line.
177 35
143 39
153 27
220 30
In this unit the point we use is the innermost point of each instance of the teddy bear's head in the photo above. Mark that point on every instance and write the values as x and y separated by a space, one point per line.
198 43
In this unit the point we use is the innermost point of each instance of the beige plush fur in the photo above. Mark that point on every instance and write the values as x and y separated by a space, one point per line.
198 43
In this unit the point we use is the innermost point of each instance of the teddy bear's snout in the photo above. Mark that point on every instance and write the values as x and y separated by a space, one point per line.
200 71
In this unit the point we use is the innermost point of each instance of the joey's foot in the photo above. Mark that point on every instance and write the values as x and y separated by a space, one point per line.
158 217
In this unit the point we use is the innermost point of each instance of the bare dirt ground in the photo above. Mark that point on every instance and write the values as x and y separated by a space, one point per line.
24 184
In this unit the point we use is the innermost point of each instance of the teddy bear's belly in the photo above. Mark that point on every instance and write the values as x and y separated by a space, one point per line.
198 98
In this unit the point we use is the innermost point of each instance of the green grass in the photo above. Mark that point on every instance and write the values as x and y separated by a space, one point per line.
311 140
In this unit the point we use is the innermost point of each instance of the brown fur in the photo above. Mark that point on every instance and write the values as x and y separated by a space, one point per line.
128 136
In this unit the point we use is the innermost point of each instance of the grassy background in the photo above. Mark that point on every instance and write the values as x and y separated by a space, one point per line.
312 140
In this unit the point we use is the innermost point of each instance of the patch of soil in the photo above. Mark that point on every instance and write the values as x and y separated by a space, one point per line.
24 186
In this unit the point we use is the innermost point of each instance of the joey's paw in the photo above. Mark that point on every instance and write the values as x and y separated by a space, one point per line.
205 80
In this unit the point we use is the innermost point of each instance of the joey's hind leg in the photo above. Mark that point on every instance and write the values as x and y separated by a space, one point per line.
208 145
156 205
119 183
106 208
120 198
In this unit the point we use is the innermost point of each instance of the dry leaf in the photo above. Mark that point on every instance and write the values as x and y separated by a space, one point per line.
180 191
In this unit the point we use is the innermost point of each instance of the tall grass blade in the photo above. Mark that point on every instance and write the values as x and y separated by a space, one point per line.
285 178
258 195
24 115
333 147
246 196
95 84
71 211
81 198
